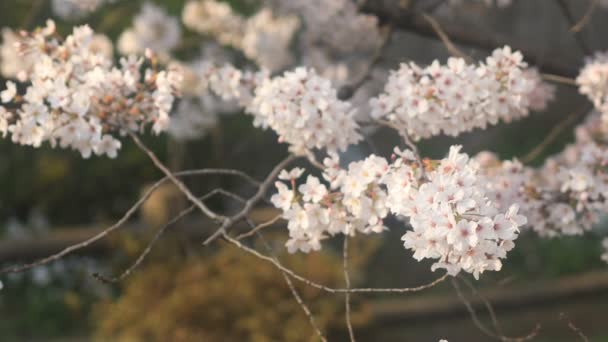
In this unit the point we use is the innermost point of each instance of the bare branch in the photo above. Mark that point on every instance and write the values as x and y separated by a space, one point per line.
408 141
486 303
182 187
560 79
349 325
304 307
563 5
229 221
482 327
73 248
327 288
445 39
554 134
410 21
147 250
157 236
295 293
255 229
586 17
574 328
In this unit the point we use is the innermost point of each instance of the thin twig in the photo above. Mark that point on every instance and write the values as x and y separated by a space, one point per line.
327 288
563 5
349 325
408 141
554 134
180 185
304 307
157 236
445 39
559 79
258 228
263 188
294 292
586 17
573 327
146 251
482 327
487 304
123 219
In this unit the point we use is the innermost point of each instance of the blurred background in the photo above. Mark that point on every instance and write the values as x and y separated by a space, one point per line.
50 198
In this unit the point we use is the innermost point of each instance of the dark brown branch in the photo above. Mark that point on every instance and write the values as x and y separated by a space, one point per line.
580 40
409 21
445 39
586 18
554 134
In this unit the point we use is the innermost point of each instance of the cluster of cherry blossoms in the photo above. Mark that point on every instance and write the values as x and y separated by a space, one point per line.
593 81
340 26
76 97
17 65
353 203
338 41
300 106
152 29
264 37
452 218
457 97
304 110
567 195
230 83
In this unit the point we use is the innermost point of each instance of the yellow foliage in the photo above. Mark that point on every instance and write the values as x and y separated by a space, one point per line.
229 296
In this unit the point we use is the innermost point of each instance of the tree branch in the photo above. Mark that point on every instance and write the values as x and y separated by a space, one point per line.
75 247
349 325
181 186
586 18
311 283
229 221
413 22
482 327
580 40
157 236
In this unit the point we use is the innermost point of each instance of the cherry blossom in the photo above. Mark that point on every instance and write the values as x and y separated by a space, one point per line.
593 81
458 97
264 38
75 97
303 109
452 218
